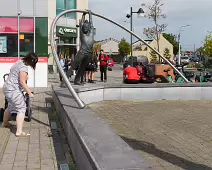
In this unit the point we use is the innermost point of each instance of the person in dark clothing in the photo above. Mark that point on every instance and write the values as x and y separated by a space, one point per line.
69 71
103 65
91 70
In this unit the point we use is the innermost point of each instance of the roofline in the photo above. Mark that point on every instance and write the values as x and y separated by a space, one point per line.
102 42
141 41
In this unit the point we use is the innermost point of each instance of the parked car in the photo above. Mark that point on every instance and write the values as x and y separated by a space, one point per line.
195 59
185 59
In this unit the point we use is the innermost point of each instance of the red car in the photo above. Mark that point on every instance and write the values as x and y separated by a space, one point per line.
110 62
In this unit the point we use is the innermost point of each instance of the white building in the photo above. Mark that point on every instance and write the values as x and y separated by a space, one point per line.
110 46
140 49
36 17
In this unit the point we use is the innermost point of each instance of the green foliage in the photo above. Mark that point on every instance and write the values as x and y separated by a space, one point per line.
155 13
96 47
199 65
195 65
171 39
208 45
154 58
190 65
167 54
124 48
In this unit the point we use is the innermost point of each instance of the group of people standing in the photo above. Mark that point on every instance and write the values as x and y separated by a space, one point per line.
95 61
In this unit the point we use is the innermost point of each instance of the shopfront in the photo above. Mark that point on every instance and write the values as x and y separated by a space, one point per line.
66 42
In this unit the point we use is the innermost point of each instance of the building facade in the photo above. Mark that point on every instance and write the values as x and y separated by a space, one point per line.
140 49
111 48
35 21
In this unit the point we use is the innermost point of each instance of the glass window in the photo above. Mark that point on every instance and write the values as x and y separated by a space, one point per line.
26 45
71 5
41 36
58 11
61 4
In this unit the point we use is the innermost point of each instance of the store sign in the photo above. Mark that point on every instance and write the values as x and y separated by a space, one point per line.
3 44
66 31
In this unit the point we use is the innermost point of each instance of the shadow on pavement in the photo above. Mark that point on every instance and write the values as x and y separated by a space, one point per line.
173 159
38 121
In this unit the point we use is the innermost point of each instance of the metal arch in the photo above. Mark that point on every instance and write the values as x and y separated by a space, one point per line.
53 47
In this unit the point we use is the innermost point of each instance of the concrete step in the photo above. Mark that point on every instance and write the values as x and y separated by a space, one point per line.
4 137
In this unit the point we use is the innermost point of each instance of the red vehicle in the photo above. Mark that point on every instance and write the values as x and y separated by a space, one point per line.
110 62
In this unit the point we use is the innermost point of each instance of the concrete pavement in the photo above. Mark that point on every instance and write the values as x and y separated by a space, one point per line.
168 135
47 147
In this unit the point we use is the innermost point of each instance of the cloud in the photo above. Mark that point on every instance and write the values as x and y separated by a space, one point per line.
179 12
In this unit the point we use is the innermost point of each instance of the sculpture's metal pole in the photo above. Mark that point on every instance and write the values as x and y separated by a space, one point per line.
53 46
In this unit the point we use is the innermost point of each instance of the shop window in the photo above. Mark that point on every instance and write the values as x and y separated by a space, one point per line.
26 45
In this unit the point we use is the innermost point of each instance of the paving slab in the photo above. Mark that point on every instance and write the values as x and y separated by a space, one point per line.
167 134
41 149
4 137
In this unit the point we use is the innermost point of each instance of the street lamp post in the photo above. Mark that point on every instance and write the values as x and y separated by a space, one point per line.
19 13
140 11
179 53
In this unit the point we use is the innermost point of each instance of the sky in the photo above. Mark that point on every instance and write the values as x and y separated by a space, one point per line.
196 13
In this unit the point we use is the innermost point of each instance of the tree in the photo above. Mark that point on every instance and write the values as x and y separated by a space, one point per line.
155 13
172 40
124 48
167 54
208 45
96 47
153 57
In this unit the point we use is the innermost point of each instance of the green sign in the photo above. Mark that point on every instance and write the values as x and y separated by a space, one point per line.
66 31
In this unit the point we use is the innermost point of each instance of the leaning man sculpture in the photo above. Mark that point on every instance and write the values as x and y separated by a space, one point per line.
84 55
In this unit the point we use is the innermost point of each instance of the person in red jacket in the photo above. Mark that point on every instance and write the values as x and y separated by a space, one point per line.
103 65
131 75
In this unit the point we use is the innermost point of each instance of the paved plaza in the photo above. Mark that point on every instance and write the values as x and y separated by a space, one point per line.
168 135
47 146
113 77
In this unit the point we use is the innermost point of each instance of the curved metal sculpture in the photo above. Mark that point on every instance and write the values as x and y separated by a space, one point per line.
53 47
84 54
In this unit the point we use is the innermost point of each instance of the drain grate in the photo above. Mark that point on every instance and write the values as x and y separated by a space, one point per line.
64 167
53 125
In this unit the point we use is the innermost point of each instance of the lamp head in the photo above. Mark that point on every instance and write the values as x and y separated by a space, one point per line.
128 15
140 11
